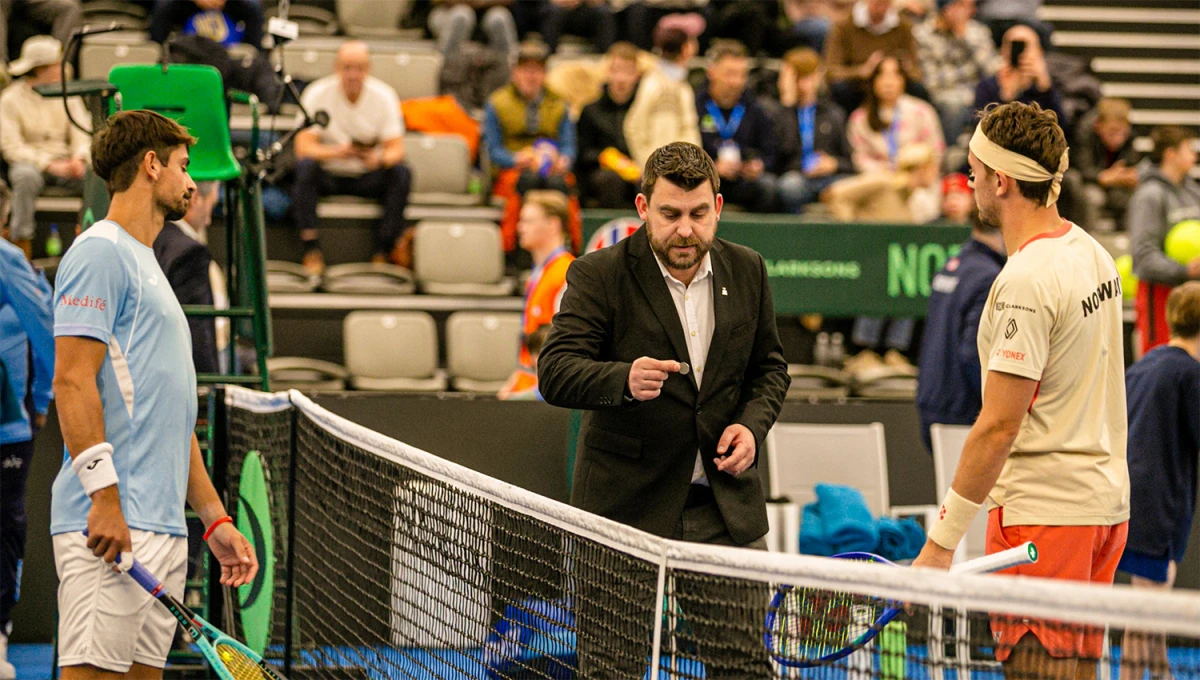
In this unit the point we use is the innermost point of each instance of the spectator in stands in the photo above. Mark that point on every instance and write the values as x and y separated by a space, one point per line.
813 149
542 231
1022 76
1001 15
591 19
958 200
182 252
26 342
808 22
608 173
889 120
948 386
452 23
38 142
60 16
857 44
1163 397
360 152
736 131
530 138
956 53
1104 161
227 22
522 384
664 108
909 193
1166 197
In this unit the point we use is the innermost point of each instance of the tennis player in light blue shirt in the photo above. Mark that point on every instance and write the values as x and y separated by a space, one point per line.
126 391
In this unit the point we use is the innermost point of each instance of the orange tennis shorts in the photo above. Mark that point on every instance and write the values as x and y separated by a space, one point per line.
1075 553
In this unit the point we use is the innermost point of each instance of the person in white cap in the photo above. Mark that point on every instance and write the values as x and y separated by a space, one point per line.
39 143
1048 449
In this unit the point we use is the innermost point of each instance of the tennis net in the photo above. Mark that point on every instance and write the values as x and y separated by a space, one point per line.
392 563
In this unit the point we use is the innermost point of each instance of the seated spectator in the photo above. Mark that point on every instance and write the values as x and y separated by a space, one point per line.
956 53
910 193
36 138
958 199
608 173
591 19
664 107
1167 196
543 234
452 23
1104 159
808 22
182 252
890 120
1022 76
61 17
360 152
227 22
736 131
813 149
857 44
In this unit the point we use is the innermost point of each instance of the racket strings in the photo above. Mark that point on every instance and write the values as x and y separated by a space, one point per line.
240 666
811 624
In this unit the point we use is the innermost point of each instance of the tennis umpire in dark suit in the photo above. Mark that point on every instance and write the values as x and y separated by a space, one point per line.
671 433
186 262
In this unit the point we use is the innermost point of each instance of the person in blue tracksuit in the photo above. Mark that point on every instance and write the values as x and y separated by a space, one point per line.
1163 397
26 341
948 389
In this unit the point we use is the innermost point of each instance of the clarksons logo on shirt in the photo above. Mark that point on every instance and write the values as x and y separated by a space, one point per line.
86 301
1001 305
1109 290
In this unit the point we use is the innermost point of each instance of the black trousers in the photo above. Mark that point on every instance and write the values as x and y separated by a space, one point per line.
14 472
389 186
718 620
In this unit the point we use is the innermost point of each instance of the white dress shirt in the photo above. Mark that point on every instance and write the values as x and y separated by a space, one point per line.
694 304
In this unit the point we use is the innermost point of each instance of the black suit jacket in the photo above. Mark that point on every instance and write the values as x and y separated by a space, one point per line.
635 460
185 262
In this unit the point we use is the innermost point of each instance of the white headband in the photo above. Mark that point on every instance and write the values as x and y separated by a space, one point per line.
1015 165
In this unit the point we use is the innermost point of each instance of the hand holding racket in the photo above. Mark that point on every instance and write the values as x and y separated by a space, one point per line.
806 627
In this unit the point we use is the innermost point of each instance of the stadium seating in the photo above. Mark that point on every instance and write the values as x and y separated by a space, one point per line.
460 258
412 367
481 349
801 456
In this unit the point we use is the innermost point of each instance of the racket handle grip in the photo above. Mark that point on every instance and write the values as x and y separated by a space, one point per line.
1026 553
144 578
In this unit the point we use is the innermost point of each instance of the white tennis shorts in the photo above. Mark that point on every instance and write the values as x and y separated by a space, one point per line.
107 620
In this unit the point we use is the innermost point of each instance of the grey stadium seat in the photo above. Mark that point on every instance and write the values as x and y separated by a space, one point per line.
373 18
96 59
460 258
290 277
368 278
411 74
306 375
441 167
481 349
392 351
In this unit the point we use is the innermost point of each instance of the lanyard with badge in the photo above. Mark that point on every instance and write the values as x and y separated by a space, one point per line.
727 129
536 277
806 118
891 136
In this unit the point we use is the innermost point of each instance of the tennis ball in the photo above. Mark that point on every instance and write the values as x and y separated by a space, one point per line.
1129 282
1183 241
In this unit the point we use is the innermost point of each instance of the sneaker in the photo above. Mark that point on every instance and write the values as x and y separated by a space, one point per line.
7 670
314 262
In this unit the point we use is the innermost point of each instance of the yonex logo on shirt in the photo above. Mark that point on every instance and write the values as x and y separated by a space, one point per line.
1010 354
86 301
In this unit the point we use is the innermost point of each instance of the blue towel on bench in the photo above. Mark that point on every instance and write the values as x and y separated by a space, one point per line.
900 539
812 533
848 524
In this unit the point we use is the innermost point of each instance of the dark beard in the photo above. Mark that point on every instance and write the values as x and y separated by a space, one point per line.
664 252
173 213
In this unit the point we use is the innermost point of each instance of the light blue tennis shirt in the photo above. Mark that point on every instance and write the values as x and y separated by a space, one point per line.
110 288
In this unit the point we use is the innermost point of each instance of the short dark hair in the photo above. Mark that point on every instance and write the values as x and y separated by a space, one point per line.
1031 131
119 148
1183 310
670 42
1168 137
726 48
681 163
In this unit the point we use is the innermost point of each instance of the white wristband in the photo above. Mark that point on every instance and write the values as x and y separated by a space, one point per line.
954 517
94 468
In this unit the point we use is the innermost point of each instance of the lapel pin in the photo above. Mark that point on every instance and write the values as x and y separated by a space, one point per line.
723 291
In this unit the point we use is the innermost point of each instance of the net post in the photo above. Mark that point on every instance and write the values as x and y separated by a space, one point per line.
289 620
659 595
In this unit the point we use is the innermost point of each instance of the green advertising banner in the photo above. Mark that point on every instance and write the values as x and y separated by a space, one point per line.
837 269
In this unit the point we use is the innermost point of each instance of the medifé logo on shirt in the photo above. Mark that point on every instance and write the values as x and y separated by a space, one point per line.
87 301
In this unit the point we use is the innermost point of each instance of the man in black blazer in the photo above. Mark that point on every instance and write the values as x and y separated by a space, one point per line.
668 341
186 261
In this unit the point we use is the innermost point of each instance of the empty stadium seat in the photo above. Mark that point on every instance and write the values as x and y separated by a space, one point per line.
481 349
460 258
126 15
306 375
372 18
802 455
290 277
368 278
441 167
392 351
96 59
411 74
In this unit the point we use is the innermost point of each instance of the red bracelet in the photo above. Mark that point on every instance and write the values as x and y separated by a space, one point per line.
216 524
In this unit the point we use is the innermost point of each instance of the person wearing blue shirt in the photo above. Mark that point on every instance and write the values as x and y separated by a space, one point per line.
1163 397
949 384
26 342
126 392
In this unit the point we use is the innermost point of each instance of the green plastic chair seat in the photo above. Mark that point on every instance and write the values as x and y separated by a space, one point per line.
194 96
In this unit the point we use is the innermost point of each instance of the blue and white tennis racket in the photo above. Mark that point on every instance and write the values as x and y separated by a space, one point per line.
811 627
